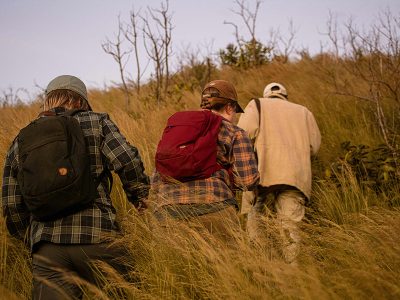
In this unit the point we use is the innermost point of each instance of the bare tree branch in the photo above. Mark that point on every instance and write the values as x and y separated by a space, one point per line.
332 33
287 42
131 35
166 25
115 50
248 16
154 48
373 58
12 96
157 40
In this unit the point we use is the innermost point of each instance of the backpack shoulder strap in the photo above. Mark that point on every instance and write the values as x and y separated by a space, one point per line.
258 105
106 172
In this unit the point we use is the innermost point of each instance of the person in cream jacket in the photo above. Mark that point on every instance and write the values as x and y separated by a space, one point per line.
285 136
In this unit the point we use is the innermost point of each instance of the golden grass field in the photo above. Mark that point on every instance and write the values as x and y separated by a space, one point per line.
351 236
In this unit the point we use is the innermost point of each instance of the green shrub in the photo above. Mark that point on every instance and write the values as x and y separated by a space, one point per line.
246 55
374 168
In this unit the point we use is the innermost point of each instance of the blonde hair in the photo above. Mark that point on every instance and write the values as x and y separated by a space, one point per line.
64 98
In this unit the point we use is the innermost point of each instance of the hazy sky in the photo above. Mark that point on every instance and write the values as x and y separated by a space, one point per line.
41 39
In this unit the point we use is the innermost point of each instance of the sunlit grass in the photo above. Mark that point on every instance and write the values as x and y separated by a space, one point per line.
356 260
351 244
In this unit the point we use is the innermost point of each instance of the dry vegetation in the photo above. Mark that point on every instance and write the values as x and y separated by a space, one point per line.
351 235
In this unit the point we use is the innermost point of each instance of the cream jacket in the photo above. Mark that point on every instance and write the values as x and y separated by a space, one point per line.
285 140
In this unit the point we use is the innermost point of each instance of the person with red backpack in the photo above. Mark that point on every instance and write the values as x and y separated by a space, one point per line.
56 190
201 159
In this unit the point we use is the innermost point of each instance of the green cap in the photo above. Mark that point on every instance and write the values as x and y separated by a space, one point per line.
68 82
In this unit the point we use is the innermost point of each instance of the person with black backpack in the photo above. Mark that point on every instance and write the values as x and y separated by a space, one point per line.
57 184
201 160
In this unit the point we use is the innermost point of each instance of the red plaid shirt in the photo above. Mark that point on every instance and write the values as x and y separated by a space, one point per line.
234 149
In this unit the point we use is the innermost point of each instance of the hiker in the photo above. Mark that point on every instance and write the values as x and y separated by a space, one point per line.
196 177
68 144
286 136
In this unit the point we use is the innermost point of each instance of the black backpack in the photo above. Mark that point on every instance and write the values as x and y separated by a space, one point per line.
54 167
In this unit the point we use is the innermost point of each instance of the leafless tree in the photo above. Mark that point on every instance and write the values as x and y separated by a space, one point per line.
284 44
42 91
304 53
155 27
373 58
154 48
195 65
249 18
115 49
165 23
332 33
158 37
13 96
131 35
236 34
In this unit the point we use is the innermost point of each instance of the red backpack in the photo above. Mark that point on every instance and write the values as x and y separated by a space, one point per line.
188 147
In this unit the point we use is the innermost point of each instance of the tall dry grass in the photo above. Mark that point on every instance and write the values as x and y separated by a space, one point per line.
351 244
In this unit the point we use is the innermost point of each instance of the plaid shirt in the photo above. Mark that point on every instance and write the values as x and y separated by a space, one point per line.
235 151
107 149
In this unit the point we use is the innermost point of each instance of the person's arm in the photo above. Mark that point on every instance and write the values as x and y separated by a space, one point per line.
125 160
14 209
249 120
246 175
314 133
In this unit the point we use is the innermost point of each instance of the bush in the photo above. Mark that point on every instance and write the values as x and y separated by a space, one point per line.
248 54
374 168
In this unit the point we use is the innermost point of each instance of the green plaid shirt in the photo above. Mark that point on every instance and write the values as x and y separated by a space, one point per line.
107 149
235 152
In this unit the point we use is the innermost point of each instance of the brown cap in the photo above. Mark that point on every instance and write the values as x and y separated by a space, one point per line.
219 91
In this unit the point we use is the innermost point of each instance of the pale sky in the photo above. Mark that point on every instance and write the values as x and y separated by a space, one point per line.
41 39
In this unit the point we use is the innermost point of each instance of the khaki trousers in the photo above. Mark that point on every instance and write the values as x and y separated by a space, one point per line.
290 210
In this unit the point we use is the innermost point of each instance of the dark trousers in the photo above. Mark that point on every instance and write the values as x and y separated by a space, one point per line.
58 269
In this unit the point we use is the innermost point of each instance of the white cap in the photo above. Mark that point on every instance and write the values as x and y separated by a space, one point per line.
275 89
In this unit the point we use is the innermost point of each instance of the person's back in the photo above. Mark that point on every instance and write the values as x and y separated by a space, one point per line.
217 187
286 136
211 200
67 244
99 219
